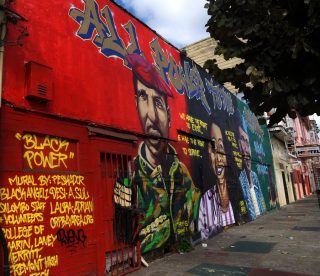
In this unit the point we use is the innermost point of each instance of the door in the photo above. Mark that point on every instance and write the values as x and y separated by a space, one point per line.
285 186
293 186
115 167
116 171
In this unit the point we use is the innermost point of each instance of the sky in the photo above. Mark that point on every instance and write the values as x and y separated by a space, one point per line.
180 22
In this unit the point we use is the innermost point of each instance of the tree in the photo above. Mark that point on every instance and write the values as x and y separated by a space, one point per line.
280 43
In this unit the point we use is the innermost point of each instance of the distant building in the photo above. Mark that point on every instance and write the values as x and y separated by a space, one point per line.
203 50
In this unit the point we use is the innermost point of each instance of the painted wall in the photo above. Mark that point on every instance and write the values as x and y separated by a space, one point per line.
201 161
46 207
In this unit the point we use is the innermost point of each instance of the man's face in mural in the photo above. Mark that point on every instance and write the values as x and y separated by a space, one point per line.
154 116
245 148
217 157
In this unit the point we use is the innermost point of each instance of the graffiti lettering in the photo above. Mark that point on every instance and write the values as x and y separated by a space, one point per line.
183 138
160 59
71 238
38 229
157 224
182 227
236 154
18 232
24 180
194 85
58 192
23 207
44 152
44 180
15 207
31 141
259 150
15 219
174 73
231 138
193 141
222 100
38 206
194 124
25 255
107 38
68 180
50 160
33 264
262 169
42 273
24 193
16 245
68 207
70 221
186 80
243 208
47 240
192 152
238 158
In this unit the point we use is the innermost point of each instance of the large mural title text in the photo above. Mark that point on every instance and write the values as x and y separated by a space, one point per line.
100 28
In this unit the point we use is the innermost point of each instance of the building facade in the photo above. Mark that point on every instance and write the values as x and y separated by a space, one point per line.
113 143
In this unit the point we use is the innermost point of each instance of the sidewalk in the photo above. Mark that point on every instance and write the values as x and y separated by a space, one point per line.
283 242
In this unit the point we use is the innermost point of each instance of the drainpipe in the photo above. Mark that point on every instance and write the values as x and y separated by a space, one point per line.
3 21
3 29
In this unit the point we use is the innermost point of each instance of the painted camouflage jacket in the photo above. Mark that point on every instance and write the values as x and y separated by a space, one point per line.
169 203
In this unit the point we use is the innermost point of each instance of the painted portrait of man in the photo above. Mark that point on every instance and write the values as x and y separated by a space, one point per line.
215 209
166 193
249 180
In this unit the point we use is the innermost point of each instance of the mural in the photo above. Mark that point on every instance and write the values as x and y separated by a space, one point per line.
200 160
216 169
249 181
166 194
40 208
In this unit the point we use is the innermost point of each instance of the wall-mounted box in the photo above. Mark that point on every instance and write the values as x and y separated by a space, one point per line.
39 82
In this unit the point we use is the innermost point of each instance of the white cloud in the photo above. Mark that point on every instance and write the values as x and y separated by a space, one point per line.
181 22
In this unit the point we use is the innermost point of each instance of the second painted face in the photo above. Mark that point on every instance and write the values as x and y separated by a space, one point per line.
154 117
217 157
245 148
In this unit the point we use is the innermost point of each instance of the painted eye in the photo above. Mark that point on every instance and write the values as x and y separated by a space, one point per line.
142 94
158 103
213 143
221 147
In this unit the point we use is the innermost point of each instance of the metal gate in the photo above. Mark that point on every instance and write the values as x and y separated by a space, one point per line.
124 255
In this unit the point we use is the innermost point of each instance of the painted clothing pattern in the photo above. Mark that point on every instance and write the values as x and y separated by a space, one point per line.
253 197
169 204
211 218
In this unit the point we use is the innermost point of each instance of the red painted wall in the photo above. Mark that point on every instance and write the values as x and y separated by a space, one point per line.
36 148
86 84
47 210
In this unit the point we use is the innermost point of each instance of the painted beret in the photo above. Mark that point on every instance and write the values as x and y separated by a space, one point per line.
147 74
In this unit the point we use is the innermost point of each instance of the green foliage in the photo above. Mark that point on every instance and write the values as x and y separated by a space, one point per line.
183 245
280 43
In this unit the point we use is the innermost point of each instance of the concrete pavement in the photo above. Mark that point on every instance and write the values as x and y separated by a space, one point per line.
282 242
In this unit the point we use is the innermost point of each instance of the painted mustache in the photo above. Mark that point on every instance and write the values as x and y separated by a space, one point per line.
153 130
